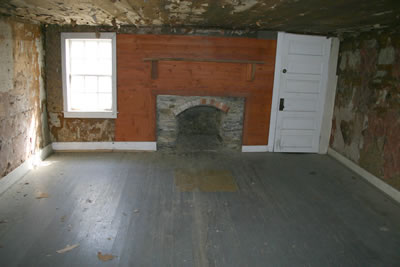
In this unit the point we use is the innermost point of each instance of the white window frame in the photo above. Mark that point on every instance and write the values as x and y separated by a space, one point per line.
89 114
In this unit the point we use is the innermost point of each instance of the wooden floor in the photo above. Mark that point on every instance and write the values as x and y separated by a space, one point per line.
288 210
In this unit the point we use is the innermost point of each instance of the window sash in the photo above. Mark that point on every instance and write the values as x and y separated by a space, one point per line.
97 91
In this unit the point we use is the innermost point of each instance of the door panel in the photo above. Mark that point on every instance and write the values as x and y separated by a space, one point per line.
301 123
304 47
301 92
304 64
301 84
300 104
297 141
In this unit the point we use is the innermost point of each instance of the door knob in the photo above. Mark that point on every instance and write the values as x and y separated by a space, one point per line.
284 70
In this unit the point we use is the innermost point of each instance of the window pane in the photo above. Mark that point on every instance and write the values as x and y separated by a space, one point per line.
84 102
104 67
105 49
88 102
105 84
91 49
77 66
77 48
98 67
105 101
90 66
91 84
77 101
77 84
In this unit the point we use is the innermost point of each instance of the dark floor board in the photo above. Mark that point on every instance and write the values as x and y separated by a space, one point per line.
289 210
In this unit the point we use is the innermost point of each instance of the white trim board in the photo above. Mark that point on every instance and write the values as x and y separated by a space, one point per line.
384 187
275 90
326 125
128 146
79 146
255 148
19 172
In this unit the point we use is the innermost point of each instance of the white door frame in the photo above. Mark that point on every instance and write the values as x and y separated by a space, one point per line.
330 83
327 115
275 92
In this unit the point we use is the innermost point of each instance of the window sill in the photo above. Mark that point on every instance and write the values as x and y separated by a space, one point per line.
90 115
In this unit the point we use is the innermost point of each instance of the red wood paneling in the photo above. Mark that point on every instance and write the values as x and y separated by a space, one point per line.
137 91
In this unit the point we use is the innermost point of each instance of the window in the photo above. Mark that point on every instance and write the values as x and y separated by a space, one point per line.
89 75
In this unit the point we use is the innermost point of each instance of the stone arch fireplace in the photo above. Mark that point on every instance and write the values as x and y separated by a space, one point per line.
211 102
195 123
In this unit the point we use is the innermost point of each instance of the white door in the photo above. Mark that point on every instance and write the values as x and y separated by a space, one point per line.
303 72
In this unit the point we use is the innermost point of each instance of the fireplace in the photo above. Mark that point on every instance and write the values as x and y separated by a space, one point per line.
199 123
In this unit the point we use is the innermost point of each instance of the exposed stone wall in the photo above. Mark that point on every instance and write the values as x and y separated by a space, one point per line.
23 119
366 122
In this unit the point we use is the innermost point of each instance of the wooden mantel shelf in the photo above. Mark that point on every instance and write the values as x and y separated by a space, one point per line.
250 64
204 60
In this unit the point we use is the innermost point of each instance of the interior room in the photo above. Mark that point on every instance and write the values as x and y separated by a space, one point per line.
199 133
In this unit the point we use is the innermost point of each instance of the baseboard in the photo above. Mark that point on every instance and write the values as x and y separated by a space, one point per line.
106 146
387 189
255 149
13 177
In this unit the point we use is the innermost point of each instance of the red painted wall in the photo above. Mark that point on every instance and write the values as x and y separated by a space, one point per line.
137 91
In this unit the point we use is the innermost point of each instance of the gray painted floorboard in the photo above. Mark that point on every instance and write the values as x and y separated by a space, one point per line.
289 210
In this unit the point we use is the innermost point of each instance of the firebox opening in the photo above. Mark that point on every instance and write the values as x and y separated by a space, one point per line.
199 123
199 129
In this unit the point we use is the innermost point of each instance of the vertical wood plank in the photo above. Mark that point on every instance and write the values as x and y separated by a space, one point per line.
250 71
136 86
154 69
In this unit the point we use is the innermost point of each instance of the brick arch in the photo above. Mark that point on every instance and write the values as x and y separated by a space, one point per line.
201 102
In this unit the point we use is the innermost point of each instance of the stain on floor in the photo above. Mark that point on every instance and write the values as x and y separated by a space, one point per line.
204 180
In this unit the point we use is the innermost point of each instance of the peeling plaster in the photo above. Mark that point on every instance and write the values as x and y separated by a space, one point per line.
240 6
311 16
80 130
23 128
386 56
6 52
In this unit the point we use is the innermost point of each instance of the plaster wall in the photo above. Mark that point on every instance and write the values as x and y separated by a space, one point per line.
23 119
